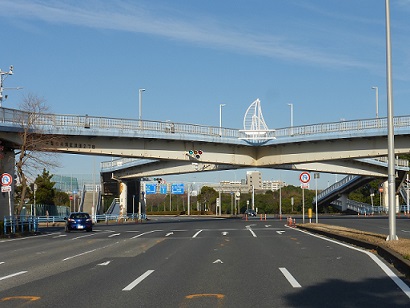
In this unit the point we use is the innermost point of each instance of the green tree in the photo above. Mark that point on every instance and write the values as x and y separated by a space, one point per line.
45 188
208 197
61 198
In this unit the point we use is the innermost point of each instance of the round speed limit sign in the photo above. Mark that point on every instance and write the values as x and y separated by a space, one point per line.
304 177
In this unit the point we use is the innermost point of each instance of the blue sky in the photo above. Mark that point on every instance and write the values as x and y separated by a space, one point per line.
92 56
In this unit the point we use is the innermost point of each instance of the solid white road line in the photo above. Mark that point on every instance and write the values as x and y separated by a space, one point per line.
138 280
12 275
196 234
290 278
250 230
404 287
139 235
81 254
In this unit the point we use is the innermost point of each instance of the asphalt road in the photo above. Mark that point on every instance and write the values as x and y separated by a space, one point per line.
375 224
193 262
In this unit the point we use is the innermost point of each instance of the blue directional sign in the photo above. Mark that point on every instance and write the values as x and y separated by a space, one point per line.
163 189
177 189
150 189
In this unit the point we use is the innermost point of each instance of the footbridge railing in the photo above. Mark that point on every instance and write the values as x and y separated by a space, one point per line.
76 123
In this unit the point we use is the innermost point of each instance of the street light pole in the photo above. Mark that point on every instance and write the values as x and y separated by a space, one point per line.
140 103
390 133
220 118
3 76
377 101
291 118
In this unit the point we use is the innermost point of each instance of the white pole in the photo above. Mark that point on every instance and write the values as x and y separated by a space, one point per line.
407 194
189 199
291 118
280 199
390 131
253 197
303 204
316 175
220 118
377 101
140 103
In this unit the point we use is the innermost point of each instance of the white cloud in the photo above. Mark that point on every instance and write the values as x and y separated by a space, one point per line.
127 16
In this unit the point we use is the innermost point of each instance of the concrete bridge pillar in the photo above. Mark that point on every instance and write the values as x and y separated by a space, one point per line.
123 198
7 164
130 196
343 198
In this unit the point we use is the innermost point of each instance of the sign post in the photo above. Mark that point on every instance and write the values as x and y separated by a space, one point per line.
6 181
304 178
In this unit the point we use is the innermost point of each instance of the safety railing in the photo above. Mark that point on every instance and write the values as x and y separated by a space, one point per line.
75 123
21 224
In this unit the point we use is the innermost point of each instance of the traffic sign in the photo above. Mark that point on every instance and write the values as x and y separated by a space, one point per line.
150 189
177 189
6 189
304 177
163 189
6 179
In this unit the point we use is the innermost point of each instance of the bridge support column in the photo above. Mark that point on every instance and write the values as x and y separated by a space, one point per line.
130 196
7 166
134 196
123 199
343 198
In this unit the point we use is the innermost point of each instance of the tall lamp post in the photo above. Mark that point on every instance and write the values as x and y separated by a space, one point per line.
291 118
220 118
3 76
377 101
140 103
390 133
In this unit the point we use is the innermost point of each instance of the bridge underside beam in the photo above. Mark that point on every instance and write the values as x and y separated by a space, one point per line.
328 150
340 167
159 168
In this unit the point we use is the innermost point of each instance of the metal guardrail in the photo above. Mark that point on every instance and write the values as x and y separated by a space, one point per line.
75 123
12 224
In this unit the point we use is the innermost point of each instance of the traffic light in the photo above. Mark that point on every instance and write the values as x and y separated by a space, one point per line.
195 153
159 180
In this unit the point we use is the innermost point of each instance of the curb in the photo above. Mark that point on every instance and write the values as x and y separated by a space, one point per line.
392 257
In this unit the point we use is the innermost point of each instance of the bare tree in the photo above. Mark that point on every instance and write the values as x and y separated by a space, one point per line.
30 157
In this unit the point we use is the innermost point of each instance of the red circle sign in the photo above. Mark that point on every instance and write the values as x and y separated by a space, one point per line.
304 177
6 179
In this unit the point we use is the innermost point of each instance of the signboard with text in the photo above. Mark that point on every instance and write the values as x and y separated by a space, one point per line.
150 189
177 189
163 189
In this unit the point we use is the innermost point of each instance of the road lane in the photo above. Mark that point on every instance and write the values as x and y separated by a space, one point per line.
203 263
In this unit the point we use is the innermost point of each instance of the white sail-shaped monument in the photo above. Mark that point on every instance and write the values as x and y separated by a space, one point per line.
254 126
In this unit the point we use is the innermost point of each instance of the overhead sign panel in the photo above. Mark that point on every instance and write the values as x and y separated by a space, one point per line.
163 189
177 189
150 189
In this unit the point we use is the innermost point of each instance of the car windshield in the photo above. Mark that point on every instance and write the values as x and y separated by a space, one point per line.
80 216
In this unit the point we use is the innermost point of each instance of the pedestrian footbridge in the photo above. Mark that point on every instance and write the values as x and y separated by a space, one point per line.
158 148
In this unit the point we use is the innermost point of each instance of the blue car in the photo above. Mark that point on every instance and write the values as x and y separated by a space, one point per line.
79 221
